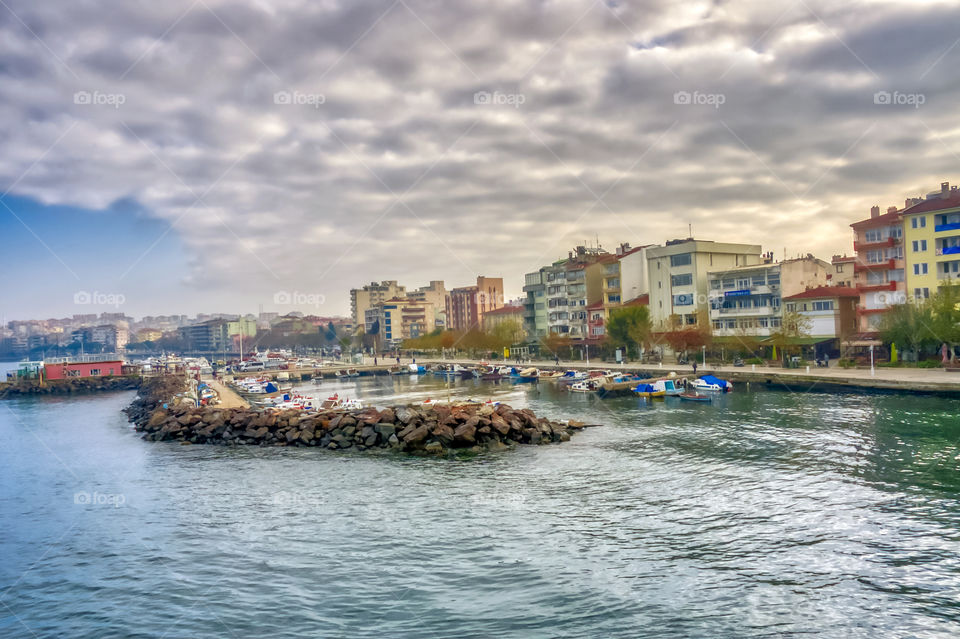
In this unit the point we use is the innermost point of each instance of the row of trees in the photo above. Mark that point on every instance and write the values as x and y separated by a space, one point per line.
922 326
503 335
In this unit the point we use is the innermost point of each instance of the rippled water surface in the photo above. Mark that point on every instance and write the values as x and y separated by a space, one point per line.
764 514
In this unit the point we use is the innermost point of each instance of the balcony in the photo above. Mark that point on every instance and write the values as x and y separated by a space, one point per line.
946 227
949 250
859 267
890 241
886 286
758 311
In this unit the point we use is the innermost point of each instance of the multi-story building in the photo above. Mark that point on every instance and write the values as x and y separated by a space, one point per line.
625 277
931 241
832 313
879 267
369 296
678 282
209 336
435 294
398 319
535 305
573 284
466 305
746 300
842 271
510 316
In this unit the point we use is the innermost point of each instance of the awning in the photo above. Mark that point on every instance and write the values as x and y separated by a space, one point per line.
871 338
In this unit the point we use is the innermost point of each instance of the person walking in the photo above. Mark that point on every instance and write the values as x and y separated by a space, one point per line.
694 367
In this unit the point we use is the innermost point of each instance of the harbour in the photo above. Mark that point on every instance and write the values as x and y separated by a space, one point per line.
761 513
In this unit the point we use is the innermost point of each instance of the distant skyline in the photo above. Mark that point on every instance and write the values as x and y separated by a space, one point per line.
211 156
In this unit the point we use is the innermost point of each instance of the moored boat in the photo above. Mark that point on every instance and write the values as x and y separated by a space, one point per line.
712 384
694 397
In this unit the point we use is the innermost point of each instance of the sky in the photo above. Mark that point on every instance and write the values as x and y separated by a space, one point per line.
225 156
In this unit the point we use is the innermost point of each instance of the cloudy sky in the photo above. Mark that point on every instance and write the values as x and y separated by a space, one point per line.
213 155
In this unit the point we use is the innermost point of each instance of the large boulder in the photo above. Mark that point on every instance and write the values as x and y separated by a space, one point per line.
416 436
444 434
465 434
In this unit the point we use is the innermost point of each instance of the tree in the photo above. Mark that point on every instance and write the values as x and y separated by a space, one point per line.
793 326
945 311
911 326
331 333
508 333
629 326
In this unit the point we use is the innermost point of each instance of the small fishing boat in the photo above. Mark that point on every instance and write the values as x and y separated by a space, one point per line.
648 390
668 386
345 373
694 397
712 384
525 376
585 386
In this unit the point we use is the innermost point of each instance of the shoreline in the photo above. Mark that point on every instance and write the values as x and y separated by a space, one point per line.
887 380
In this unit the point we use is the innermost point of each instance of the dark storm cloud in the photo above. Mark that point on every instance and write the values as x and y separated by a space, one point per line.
333 143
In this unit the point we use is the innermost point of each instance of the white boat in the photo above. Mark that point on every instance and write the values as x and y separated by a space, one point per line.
667 386
712 384
585 386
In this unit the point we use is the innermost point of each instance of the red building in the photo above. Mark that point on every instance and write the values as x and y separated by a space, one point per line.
467 304
67 370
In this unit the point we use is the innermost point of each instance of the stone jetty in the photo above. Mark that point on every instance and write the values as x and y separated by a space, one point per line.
423 430
74 386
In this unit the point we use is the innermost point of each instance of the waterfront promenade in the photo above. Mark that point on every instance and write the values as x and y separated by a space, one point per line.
935 380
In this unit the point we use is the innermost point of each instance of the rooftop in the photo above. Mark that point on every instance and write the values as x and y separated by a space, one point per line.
504 310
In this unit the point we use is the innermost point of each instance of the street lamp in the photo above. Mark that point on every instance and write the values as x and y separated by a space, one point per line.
704 348
873 371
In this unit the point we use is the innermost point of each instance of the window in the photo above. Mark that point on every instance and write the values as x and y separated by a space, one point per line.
686 279
613 282
873 235
895 231
839 268
926 292
791 307
718 324
913 223
763 322
774 322
775 302
916 246
729 283
731 323
715 284
875 256
613 299
823 306
923 268
685 259
923 245
895 275
759 280
920 269
685 299
743 283
94 371
773 279
923 221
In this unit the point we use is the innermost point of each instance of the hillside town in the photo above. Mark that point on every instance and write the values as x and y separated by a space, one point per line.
735 299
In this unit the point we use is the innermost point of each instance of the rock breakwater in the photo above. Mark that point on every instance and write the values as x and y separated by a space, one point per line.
69 386
437 429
